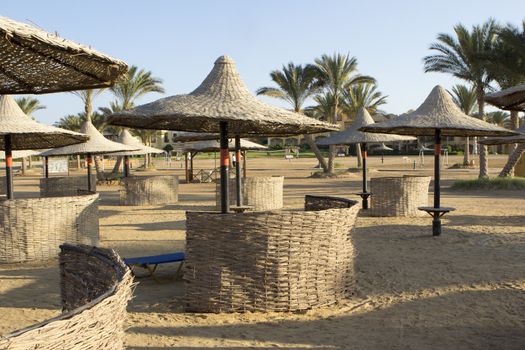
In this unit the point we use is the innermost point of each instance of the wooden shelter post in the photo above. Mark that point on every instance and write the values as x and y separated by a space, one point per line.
89 161
238 184
225 163
8 166
46 167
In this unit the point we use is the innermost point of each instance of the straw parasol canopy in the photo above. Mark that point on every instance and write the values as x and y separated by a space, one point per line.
352 134
185 136
97 144
214 146
127 139
222 96
512 99
21 154
34 61
437 112
383 147
506 140
29 134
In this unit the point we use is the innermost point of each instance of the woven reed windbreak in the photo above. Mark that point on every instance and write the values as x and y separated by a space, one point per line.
149 190
399 196
262 192
32 229
324 202
95 288
269 261
65 186
2 185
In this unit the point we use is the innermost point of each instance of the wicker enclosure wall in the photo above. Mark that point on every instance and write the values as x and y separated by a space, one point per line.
95 288
262 192
149 190
2 185
65 186
268 261
32 229
399 196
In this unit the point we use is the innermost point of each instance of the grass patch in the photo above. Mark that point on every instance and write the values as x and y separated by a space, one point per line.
495 183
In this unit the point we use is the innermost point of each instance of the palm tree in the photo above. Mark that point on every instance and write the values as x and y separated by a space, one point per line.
87 97
295 84
507 67
499 118
28 105
134 85
466 100
358 96
464 57
336 74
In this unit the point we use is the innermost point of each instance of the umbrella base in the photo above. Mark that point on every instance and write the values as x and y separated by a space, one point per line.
436 214
364 196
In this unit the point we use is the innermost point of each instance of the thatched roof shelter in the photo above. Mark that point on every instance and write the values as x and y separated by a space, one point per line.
383 147
214 146
27 133
222 96
185 136
437 116
512 99
437 112
36 62
127 139
97 144
506 140
352 134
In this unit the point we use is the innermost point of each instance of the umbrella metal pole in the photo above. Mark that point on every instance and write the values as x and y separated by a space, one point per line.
225 163
46 167
8 166
365 186
436 221
238 184
89 160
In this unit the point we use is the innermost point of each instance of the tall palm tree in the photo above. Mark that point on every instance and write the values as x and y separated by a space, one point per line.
499 118
507 67
87 97
361 95
28 105
465 98
463 55
134 85
295 84
336 73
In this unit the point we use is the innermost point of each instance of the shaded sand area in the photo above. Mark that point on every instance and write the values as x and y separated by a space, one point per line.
463 290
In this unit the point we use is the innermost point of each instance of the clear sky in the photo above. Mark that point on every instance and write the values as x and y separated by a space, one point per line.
179 40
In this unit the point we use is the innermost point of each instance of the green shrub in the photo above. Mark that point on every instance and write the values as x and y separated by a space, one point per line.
495 183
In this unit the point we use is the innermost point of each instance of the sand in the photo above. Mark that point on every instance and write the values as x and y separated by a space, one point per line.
463 290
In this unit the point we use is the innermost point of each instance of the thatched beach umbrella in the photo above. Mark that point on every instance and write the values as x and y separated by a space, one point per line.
20 132
221 104
437 116
196 147
520 138
34 62
382 147
97 144
512 99
127 139
352 135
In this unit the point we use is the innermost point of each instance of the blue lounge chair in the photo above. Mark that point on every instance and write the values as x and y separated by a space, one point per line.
150 263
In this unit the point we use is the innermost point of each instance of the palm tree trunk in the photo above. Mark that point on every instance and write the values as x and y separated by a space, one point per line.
29 162
483 153
359 155
514 124
98 168
79 164
311 143
118 162
514 157
331 148
23 166
466 152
